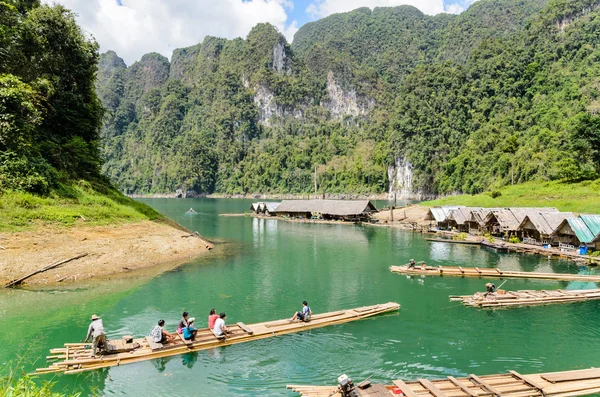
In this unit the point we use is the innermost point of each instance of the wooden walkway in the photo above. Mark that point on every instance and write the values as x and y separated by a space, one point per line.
76 357
458 271
512 384
526 298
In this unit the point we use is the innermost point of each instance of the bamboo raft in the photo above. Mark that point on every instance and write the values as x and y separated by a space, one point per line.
512 384
76 357
458 271
526 297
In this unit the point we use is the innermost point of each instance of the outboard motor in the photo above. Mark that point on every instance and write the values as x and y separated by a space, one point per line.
347 388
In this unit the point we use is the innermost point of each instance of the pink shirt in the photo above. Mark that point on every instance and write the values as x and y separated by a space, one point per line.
211 320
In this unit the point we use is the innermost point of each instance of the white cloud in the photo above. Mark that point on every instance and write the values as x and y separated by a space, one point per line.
141 26
323 8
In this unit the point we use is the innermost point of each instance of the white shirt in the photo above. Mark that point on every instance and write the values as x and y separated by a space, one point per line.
218 329
95 329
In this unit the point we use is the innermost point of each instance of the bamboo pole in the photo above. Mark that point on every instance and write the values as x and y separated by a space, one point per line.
44 269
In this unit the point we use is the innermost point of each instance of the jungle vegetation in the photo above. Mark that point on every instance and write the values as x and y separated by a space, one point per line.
504 93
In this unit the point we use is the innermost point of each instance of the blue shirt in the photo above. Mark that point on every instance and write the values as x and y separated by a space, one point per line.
188 332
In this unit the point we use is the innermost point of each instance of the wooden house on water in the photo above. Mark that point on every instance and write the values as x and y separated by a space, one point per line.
439 215
344 210
506 221
476 221
583 230
459 219
264 208
537 228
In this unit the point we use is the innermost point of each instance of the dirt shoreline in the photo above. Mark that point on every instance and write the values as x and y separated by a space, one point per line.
116 251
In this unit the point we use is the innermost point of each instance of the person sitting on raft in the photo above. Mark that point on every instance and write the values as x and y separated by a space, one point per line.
97 333
302 315
189 332
212 317
411 264
159 334
220 330
182 323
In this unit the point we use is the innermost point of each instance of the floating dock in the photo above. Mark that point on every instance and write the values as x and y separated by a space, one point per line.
526 297
458 271
512 384
76 357
447 240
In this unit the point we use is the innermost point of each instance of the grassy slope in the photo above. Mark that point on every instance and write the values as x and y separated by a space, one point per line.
97 203
583 197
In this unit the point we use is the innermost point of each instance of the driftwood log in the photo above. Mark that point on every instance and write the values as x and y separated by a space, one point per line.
49 267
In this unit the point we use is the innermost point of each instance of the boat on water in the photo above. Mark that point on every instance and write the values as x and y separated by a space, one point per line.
77 357
458 271
512 384
519 298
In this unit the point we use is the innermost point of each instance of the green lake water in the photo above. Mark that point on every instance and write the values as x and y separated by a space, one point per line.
262 270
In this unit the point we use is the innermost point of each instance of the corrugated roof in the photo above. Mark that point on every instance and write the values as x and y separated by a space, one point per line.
592 222
440 214
272 207
582 231
327 207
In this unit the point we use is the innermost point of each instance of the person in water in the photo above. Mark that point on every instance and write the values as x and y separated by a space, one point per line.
189 332
159 334
97 333
304 314
182 323
220 330
212 317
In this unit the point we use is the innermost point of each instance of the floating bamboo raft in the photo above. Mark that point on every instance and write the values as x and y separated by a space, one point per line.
512 384
459 271
76 357
527 297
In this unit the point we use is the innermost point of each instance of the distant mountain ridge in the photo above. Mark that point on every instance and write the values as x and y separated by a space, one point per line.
376 100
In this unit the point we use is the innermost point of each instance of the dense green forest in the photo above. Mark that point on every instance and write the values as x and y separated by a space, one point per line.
503 93
50 122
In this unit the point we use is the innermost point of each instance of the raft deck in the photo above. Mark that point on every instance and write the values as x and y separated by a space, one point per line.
526 297
76 357
512 384
458 271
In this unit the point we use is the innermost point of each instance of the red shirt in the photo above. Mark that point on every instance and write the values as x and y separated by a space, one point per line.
211 320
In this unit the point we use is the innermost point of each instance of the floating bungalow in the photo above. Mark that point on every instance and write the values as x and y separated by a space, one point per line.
537 228
574 232
460 218
506 221
264 208
440 215
342 210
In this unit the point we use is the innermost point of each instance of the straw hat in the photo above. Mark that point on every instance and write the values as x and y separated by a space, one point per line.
95 317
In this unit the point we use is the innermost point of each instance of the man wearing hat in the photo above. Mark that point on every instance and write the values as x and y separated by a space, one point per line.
97 333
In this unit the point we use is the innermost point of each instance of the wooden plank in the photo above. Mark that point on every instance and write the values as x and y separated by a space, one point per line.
585 374
485 384
153 345
432 388
187 342
405 388
245 328
528 381
462 386
478 271
499 271
461 269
